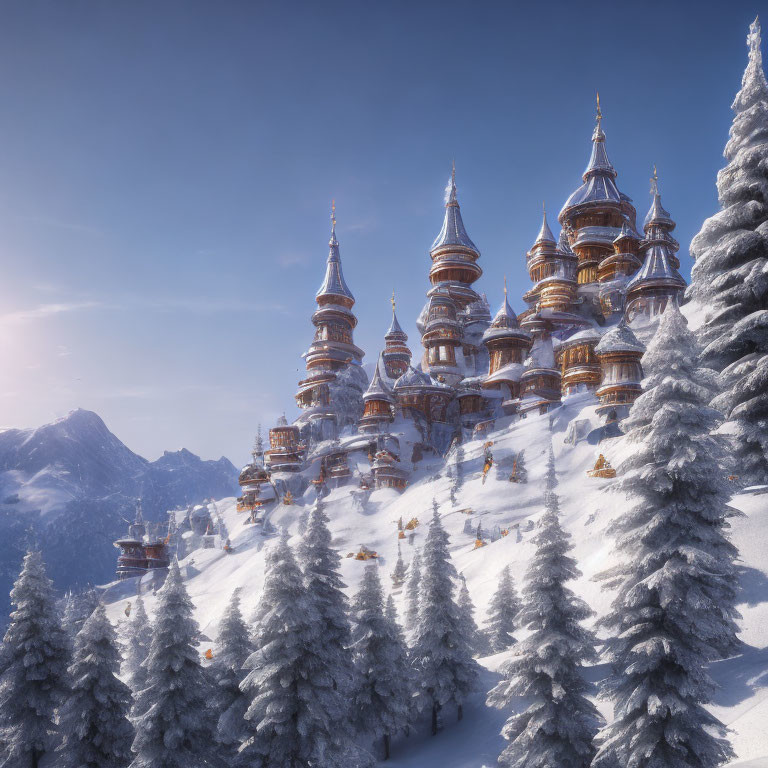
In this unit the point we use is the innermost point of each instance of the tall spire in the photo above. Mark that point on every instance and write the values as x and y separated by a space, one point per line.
599 164
453 231
545 233
657 214
334 284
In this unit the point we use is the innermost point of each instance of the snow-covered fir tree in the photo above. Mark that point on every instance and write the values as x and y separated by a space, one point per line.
674 610
400 571
550 479
176 728
469 625
320 564
521 471
77 608
559 724
233 647
94 718
34 680
412 592
441 653
138 637
729 274
382 697
502 611
295 710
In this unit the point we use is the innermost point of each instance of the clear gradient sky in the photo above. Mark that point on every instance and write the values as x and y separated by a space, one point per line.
167 168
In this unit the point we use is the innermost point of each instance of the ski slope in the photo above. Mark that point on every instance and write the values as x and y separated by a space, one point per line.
587 504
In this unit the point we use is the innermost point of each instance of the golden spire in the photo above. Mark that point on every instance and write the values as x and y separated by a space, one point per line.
655 181
392 301
333 216
599 111
505 286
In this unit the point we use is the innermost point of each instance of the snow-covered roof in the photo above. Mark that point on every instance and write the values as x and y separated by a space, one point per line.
453 231
588 334
508 372
599 176
395 331
378 389
413 378
656 268
334 284
542 354
545 233
619 339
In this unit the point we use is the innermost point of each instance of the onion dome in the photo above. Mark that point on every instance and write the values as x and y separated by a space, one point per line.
599 176
657 215
657 269
378 389
334 283
619 339
453 233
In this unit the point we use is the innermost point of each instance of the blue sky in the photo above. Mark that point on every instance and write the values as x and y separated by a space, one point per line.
166 173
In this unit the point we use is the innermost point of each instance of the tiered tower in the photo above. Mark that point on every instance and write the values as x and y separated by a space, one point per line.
379 403
396 356
594 216
657 280
619 353
552 268
579 366
331 393
508 346
454 270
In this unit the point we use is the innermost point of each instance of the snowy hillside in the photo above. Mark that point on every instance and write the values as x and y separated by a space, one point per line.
587 508
73 482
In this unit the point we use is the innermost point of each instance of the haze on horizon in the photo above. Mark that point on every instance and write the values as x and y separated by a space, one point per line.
166 173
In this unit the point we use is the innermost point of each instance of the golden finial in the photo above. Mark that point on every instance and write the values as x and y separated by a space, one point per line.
392 300
655 181
599 111
505 286
453 171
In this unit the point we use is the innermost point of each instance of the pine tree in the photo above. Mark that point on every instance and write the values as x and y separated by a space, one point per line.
324 586
412 591
400 571
94 718
137 643
502 612
34 677
77 608
468 623
560 723
674 609
441 653
382 696
175 728
521 471
295 716
550 480
729 274
233 647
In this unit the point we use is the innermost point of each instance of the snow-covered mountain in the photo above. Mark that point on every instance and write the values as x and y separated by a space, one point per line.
70 484
588 505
